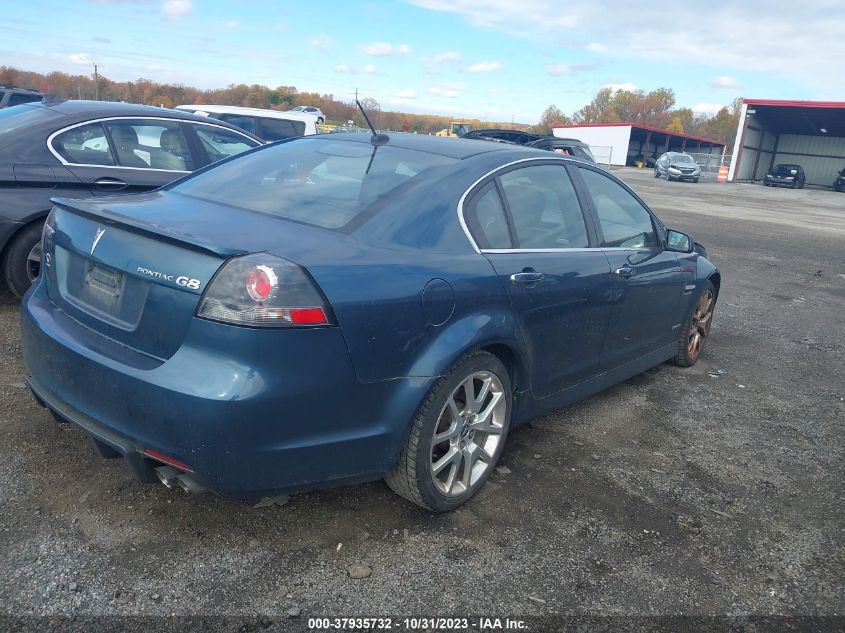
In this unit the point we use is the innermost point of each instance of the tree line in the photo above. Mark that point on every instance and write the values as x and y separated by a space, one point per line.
655 108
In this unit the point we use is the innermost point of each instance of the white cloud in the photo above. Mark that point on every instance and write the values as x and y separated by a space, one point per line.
405 94
83 59
484 67
707 108
176 9
726 83
383 49
369 69
627 85
596 47
738 36
232 24
449 57
322 42
448 90
567 70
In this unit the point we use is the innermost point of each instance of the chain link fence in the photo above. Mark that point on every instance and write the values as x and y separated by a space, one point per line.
710 164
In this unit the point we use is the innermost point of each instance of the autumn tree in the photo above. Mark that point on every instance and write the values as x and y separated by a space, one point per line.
551 116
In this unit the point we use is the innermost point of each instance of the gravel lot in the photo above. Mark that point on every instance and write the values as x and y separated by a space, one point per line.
673 493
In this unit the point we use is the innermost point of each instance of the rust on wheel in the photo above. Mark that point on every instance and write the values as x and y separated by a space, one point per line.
702 317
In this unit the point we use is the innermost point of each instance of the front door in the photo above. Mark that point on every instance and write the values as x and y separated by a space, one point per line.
647 280
533 232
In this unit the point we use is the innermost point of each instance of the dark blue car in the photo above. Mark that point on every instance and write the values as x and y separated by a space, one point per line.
332 310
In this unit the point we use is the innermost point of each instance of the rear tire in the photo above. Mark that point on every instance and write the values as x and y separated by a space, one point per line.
22 259
696 329
456 437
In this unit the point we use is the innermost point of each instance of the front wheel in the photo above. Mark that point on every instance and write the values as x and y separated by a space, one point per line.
22 260
696 329
656 173
457 435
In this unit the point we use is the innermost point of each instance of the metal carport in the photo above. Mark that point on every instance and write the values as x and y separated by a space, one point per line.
808 133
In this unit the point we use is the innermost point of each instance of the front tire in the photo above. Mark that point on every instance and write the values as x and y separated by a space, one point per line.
457 435
696 329
22 259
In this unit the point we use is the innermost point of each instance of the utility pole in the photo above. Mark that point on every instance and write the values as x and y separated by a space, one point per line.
96 84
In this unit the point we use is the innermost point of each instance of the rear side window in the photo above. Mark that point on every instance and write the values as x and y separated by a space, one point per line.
220 143
19 98
280 129
309 180
149 144
544 208
624 222
238 120
486 219
84 145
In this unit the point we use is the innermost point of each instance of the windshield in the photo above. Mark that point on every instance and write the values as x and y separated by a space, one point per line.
320 182
299 109
785 169
682 158
22 115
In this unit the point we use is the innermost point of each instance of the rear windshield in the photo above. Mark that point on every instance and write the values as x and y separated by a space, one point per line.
320 182
22 115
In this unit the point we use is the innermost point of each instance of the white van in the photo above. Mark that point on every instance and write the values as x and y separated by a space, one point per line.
269 125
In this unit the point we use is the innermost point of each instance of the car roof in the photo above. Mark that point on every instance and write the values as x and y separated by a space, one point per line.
450 147
94 109
227 109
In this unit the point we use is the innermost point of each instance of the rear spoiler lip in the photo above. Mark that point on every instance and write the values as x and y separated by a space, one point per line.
93 211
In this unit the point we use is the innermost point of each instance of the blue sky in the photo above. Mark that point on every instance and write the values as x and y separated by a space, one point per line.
494 59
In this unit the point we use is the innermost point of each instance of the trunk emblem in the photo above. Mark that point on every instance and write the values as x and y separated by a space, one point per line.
97 236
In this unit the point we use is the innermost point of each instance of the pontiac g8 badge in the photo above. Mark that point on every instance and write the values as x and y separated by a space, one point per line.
97 236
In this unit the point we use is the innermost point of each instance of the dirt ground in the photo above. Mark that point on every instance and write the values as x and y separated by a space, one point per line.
674 493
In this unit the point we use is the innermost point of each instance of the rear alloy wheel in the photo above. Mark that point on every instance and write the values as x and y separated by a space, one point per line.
457 436
695 331
22 260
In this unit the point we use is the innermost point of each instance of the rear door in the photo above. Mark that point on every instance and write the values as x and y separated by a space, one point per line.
647 280
531 227
124 155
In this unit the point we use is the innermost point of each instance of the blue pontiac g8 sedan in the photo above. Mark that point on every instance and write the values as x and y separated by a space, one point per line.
341 308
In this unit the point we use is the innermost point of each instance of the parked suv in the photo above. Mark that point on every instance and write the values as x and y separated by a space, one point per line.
269 125
677 166
311 111
12 96
79 149
568 146
785 175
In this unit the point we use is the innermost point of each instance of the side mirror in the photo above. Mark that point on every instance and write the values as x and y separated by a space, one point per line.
678 242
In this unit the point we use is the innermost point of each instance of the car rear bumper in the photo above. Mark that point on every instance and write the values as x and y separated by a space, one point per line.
249 410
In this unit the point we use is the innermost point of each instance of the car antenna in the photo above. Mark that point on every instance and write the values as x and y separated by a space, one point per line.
377 139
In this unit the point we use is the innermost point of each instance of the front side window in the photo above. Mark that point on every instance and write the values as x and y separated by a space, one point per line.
485 217
544 208
319 182
280 129
220 143
624 222
149 144
84 145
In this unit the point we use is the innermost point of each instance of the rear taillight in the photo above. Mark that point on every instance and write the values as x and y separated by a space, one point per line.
262 290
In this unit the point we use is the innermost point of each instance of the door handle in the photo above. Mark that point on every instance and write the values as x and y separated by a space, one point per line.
626 272
110 183
528 277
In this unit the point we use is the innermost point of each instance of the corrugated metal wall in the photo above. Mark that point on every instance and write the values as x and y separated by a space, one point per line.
757 147
822 157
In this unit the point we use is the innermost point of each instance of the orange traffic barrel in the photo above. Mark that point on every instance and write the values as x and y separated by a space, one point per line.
723 174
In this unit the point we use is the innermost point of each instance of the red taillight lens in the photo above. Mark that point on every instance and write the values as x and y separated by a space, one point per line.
166 459
260 282
263 290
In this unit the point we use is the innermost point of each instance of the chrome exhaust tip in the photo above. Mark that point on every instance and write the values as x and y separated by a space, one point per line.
168 476
189 484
